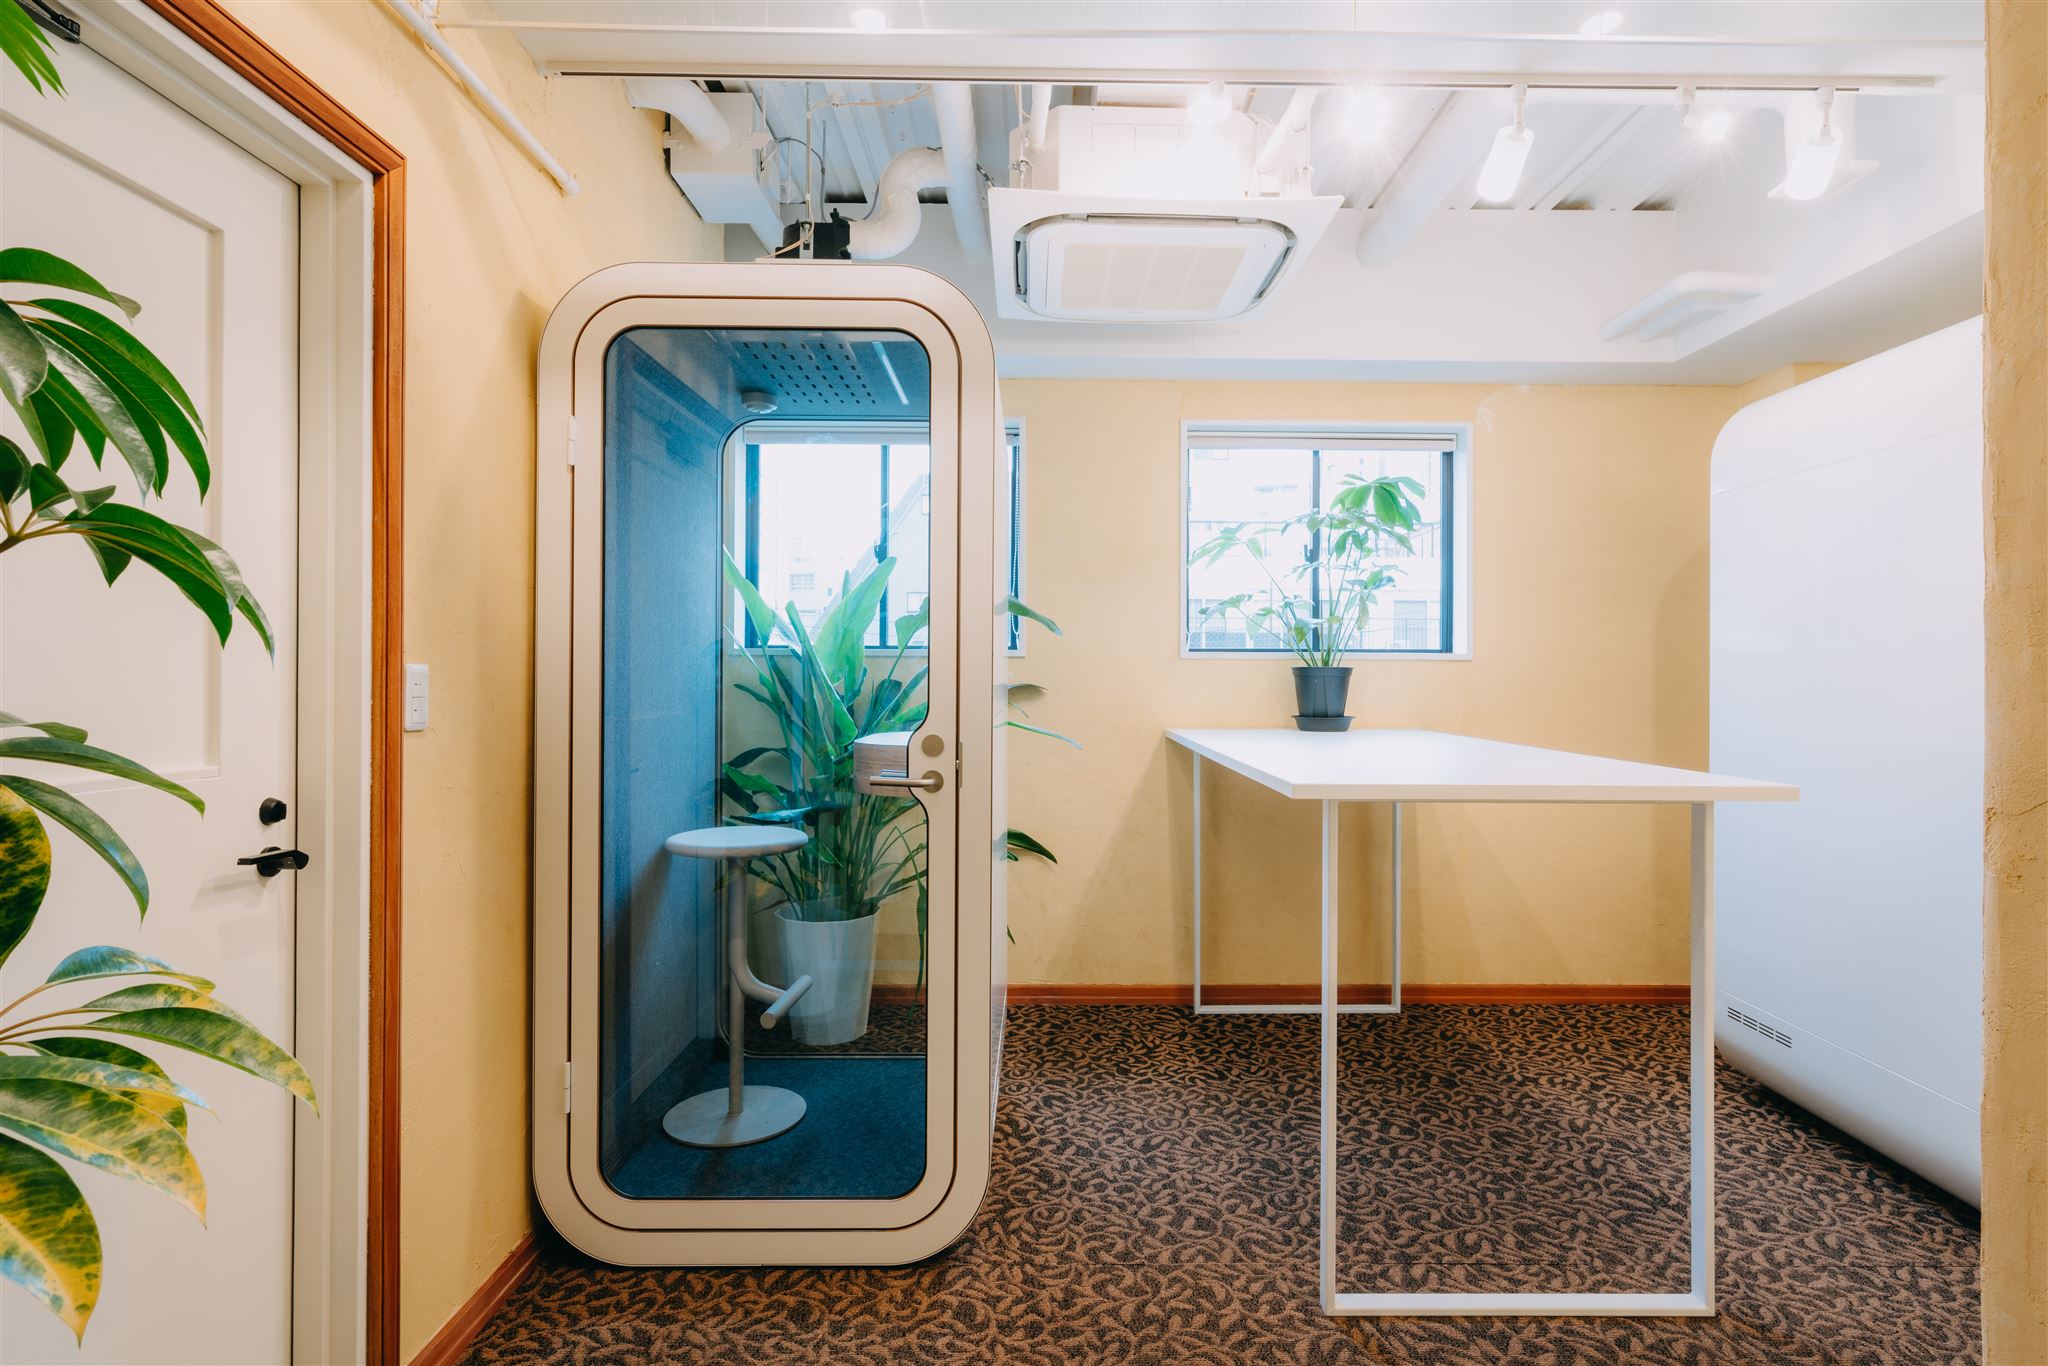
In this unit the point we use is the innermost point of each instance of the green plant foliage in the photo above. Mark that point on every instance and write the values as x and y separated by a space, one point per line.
1345 539
65 746
49 1242
103 1129
24 870
75 375
864 848
27 48
170 1106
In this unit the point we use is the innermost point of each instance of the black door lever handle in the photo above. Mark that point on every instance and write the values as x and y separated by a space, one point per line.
274 860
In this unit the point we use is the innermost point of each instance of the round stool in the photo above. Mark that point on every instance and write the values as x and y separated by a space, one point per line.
740 1114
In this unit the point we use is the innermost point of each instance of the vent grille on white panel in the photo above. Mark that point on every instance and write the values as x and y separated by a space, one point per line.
1108 277
1147 268
1750 1022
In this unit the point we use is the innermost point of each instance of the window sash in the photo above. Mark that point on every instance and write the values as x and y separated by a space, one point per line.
1443 445
755 435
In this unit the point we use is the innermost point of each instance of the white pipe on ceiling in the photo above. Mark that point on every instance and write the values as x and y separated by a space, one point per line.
1041 114
1439 163
686 103
1291 123
892 226
430 34
954 103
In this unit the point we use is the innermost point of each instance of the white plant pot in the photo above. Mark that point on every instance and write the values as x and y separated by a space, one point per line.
839 956
764 945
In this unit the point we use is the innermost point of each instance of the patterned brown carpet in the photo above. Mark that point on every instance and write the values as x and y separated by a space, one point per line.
1154 1202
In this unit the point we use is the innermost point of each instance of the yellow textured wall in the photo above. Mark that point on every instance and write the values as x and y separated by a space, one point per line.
490 245
2015 1268
1589 590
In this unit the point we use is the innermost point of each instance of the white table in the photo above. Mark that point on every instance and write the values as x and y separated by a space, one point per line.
1401 766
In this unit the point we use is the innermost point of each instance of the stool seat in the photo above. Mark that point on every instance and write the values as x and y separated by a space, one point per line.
736 841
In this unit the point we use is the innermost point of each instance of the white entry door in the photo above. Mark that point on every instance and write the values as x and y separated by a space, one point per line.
161 208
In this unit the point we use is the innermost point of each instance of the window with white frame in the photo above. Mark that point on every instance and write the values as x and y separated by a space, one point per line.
1257 482
804 523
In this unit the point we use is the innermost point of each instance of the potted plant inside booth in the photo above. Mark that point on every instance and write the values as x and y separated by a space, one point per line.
865 849
1340 565
75 1080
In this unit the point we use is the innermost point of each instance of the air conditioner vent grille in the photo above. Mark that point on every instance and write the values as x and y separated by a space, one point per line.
1111 277
1148 268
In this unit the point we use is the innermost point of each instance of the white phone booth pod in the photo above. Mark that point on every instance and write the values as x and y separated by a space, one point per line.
770 595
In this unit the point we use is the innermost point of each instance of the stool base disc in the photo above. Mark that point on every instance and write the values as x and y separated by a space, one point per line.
702 1121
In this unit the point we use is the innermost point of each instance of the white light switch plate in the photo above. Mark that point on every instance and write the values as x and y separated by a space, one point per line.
415 697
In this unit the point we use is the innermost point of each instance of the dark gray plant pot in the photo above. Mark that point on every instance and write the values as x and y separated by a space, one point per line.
1321 692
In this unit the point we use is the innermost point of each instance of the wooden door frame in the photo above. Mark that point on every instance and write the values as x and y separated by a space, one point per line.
248 84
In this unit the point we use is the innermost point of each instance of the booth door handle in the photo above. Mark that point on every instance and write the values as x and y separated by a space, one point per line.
273 861
930 782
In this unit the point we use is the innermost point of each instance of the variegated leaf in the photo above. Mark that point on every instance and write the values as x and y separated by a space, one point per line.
49 1242
104 1129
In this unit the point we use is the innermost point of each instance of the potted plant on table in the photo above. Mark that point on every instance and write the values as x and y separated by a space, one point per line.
1319 606
864 849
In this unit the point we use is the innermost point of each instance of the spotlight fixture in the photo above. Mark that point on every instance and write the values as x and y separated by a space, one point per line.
1711 125
1812 167
1601 24
1209 105
1363 114
869 20
1503 169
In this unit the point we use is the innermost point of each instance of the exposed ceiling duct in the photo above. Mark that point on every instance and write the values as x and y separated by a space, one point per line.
719 172
686 104
954 103
892 227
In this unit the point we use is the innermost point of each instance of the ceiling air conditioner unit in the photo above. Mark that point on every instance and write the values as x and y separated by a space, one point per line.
1147 268
1126 259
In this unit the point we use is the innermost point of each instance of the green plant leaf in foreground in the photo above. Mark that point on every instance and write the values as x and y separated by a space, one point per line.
205 1027
36 267
30 50
103 1129
8 720
24 869
1017 607
50 749
168 1106
106 1076
108 960
49 1242
86 823
1017 839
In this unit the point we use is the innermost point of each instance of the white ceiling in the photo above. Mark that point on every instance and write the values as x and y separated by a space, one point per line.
1617 199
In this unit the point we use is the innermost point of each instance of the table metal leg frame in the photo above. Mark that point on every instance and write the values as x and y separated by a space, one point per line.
1391 1007
1699 1298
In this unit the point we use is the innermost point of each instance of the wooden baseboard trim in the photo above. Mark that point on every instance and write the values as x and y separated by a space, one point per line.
452 1343
1307 993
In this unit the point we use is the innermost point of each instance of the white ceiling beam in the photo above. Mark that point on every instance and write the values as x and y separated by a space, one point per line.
1656 171
1241 56
1435 169
1620 128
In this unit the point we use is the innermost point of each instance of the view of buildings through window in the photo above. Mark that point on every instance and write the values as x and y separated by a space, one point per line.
1267 484
804 534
